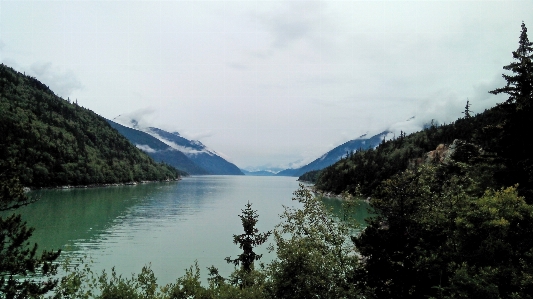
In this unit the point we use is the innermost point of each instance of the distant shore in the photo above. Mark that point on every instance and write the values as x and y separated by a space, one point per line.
132 183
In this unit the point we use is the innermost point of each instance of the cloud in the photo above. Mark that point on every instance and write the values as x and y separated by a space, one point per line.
138 119
63 83
145 148
199 135
293 23
238 66
481 96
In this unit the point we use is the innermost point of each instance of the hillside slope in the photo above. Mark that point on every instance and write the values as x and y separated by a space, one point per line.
206 160
49 141
367 169
159 151
336 154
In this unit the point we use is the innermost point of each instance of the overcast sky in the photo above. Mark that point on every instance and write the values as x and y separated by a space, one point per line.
268 82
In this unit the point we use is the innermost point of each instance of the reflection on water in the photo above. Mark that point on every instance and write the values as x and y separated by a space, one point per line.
61 216
167 225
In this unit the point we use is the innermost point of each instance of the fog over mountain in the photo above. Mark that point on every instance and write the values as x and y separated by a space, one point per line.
187 155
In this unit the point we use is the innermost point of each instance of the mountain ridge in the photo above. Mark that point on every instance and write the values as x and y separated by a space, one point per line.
194 158
336 154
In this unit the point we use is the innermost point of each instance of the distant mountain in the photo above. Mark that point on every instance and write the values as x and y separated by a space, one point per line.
336 154
188 155
258 173
47 141
158 150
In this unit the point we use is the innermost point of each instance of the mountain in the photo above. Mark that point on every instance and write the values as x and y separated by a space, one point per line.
159 151
172 149
336 154
47 141
258 173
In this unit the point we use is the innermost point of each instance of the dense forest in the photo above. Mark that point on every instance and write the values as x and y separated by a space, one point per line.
47 141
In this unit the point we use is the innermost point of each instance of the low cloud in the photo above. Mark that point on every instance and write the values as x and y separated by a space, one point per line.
197 136
145 148
138 119
62 82
482 99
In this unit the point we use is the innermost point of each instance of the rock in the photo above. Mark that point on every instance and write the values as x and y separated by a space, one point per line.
462 151
459 150
438 155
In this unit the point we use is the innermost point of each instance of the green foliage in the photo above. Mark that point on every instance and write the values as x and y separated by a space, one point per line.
53 142
310 176
247 241
435 235
12 193
22 273
315 258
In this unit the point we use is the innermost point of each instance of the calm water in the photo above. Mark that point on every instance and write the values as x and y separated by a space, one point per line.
166 225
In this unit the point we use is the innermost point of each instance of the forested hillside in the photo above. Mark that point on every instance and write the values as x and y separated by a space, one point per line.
365 170
336 154
48 141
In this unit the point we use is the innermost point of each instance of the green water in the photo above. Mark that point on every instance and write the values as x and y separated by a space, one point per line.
166 225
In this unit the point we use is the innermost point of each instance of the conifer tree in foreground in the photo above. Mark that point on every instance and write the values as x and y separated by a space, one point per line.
519 85
22 273
513 143
250 239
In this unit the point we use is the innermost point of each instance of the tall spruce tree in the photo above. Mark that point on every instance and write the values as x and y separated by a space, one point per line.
520 84
467 111
513 143
247 241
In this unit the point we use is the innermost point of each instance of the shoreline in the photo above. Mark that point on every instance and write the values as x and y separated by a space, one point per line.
332 195
131 183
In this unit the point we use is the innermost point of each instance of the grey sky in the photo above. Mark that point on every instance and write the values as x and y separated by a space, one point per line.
268 82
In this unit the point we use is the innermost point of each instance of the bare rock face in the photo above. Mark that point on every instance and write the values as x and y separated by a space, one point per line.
459 151
438 155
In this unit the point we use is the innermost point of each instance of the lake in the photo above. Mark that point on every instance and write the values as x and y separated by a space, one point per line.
165 225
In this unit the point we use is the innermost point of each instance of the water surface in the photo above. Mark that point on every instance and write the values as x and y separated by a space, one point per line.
166 225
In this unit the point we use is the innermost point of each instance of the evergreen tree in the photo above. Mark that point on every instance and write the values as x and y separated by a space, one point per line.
513 144
22 273
467 111
250 239
519 85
